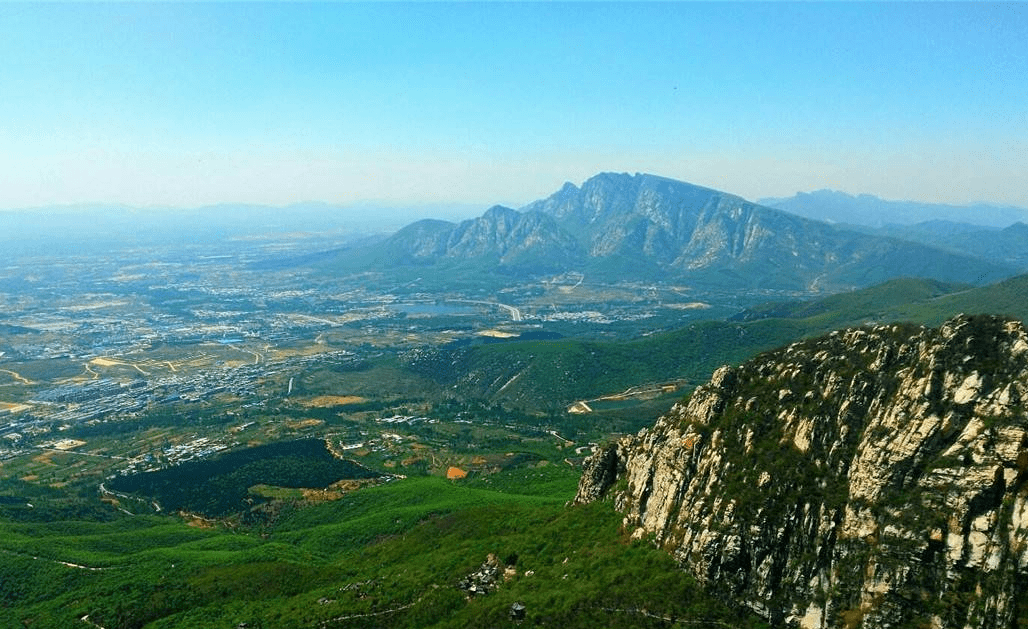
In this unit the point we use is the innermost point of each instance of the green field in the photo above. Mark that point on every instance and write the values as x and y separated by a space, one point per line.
268 544
385 556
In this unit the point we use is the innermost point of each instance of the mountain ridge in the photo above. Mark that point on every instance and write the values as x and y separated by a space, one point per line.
872 211
651 228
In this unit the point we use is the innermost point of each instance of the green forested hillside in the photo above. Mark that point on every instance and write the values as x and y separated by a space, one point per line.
1009 297
390 556
552 374
855 305
393 555
219 486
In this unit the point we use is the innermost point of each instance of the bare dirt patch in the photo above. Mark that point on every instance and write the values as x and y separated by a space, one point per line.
498 334
298 424
325 401
68 444
692 305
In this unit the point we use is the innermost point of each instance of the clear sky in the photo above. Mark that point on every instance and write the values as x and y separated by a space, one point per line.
191 104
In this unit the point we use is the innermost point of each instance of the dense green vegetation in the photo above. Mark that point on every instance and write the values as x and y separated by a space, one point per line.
908 299
551 375
386 556
219 486
392 555
860 304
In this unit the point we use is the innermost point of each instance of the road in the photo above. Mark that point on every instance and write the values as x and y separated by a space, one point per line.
515 313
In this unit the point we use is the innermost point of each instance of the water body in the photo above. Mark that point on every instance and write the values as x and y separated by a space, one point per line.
437 310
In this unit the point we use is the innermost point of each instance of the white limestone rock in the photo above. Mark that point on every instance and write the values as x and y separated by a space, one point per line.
836 482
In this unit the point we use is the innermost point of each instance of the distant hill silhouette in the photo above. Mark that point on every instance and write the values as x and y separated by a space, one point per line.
869 210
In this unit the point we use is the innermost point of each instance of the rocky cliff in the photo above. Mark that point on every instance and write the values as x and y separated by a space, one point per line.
502 238
620 227
871 478
707 236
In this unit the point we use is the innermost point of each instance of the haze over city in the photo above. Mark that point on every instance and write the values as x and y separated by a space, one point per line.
154 104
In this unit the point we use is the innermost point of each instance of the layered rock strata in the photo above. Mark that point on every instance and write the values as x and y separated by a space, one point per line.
872 478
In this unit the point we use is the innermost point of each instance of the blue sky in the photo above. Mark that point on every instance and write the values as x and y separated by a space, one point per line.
194 103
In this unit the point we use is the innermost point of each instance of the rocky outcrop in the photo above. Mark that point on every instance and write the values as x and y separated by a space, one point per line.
501 238
643 227
656 224
871 478
488 576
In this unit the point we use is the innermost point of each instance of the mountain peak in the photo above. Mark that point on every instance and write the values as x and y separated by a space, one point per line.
500 212
641 226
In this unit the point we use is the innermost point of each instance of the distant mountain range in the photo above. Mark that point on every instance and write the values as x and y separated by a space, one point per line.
998 233
649 228
869 210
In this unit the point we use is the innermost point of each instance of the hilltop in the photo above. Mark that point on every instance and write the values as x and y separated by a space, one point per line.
871 478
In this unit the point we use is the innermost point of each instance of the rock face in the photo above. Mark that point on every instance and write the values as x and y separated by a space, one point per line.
501 238
644 227
871 478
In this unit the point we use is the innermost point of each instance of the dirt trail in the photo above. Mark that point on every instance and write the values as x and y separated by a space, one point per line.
17 376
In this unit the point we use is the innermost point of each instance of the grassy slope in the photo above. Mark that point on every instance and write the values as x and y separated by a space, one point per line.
914 300
552 374
390 556
387 556
1009 297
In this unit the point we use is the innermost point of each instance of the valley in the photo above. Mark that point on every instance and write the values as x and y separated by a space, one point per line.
497 315
242 432
136 337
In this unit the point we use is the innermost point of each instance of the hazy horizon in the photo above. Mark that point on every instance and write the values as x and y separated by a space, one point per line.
447 210
191 105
